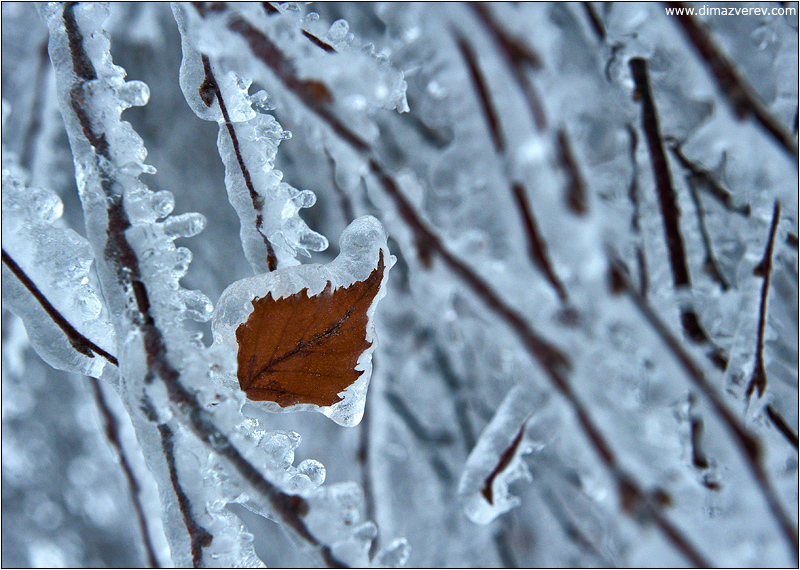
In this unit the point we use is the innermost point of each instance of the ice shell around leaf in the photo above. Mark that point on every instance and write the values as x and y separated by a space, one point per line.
361 244
496 460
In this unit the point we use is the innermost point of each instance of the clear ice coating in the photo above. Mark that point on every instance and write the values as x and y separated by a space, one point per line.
496 461
267 207
450 357
57 261
360 245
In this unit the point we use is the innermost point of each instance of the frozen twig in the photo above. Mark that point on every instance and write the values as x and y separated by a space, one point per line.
576 187
79 342
113 436
668 202
706 181
209 92
758 380
536 244
740 95
520 58
35 124
780 423
748 445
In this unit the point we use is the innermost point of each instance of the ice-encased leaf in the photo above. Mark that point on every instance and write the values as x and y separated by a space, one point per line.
303 312
496 460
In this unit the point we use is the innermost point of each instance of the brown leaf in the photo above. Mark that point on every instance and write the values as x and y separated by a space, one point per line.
304 350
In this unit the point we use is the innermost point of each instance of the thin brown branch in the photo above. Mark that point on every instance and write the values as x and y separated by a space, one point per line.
594 19
748 445
112 434
419 431
764 269
37 109
711 264
518 51
537 247
520 58
705 181
199 537
740 94
782 425
668 202
75 338
536 244
667 197
484 97
318 42
576 187
209 91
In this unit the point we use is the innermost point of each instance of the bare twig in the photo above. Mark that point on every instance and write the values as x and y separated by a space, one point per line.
764 269
740 94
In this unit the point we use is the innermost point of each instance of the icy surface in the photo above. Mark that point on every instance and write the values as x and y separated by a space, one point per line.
387 118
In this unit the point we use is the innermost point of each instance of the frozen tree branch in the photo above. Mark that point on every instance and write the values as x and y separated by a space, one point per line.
511 420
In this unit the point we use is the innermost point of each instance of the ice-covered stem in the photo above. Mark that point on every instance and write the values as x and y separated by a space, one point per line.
740 95
782 425
633 196
536 244
35 124
520 58
105 159
668 203
210 92
111 426
214 83
707 181
75 338
748 445
758 380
